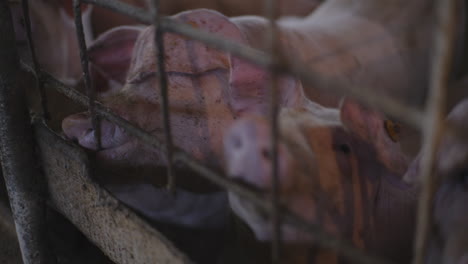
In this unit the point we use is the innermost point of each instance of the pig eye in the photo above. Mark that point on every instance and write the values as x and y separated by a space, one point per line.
393 130
266 154
141 77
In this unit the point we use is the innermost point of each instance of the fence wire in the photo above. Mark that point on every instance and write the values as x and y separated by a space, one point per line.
321 237
159 43
432 120
85 66
271 11
444 39
35 62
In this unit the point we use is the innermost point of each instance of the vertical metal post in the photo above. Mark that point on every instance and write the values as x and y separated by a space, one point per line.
39 84
272 48
84 65
444 39
22 177
159 42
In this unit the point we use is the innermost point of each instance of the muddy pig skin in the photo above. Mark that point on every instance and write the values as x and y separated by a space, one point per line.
449 237
344 174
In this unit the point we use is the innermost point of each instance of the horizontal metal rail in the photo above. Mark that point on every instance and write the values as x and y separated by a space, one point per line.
119 232
404 113
321 237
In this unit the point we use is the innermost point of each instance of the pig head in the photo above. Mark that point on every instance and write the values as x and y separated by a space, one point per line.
208 89
342 173
449 235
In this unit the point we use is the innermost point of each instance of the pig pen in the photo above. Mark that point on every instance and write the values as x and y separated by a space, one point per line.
117 231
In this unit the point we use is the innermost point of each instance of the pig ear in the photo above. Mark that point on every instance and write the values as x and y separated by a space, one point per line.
111 53
246 81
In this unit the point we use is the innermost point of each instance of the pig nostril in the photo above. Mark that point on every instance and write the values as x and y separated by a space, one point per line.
266 154
345 148
236 142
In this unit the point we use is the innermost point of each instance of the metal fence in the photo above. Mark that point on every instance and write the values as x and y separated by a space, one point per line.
430 122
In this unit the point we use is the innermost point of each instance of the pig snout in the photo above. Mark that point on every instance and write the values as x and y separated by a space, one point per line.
79 127
247 153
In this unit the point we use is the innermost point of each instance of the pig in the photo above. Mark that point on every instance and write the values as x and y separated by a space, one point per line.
239 86
210 88
205 97
345 43
237 8
227 7
449 236
340 169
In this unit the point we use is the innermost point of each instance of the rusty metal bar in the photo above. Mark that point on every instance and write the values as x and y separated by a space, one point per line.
404 113
85 66
159 43
270 7
22 176
39 84
321 237
444 39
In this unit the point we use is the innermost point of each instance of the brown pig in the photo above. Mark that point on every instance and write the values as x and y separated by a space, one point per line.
449 237
341 170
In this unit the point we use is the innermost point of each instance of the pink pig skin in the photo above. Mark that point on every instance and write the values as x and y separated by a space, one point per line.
202 105
342 173
210 88
449 238
227 7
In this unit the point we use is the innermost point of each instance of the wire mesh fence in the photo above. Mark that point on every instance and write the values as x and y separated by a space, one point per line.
430 121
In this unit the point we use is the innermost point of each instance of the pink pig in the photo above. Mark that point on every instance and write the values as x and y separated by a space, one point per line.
341 170
229 86
210 88
207 92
